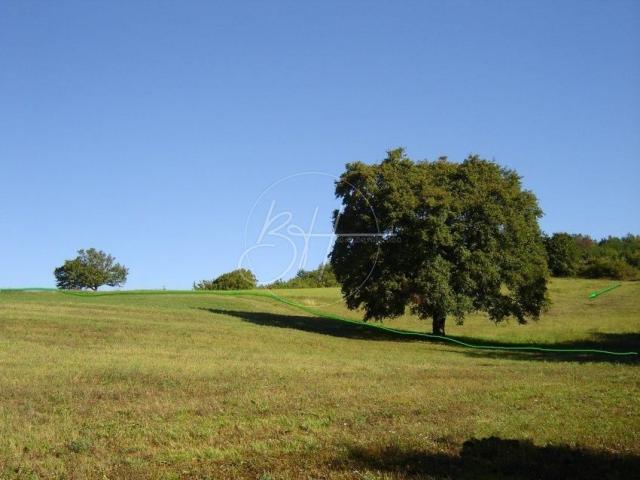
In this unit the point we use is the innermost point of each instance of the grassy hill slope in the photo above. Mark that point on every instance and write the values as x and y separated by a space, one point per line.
184 385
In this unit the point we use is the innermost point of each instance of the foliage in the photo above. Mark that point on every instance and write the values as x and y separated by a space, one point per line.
447 239
580 255
613 257
322 276
240 279
563 254
90 269
606 267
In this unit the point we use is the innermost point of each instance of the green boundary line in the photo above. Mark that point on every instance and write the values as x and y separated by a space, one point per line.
604 290
270 295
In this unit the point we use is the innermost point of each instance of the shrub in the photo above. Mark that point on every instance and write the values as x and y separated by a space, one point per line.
608 267
240 279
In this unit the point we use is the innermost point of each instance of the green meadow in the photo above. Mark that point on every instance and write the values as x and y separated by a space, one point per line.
185 385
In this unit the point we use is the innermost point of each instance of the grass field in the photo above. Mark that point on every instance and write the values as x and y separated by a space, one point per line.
210 386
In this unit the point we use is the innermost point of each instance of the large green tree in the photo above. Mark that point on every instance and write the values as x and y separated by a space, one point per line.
445 239
90 269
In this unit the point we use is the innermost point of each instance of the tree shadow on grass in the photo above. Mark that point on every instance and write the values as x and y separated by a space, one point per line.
494 457
320 325
623 342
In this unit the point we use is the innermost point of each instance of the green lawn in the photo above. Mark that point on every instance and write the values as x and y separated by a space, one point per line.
209 386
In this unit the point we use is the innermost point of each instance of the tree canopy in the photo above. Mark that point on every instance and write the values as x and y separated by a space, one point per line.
445 239
90 269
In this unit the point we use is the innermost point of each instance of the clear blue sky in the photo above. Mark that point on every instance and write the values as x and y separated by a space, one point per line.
150 129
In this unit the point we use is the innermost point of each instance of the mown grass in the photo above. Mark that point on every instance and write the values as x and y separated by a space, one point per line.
209 386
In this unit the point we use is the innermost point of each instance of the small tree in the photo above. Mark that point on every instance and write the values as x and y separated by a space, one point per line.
447 239
563 254
240 279
90 269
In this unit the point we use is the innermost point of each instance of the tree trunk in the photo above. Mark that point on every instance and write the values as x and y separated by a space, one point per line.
438 324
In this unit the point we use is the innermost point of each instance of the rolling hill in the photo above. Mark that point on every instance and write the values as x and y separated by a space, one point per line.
184 385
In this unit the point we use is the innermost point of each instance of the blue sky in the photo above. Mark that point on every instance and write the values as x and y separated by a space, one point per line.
150 129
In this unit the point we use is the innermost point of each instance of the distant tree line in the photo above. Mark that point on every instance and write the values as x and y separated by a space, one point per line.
322 276
244 279
576 255
568 255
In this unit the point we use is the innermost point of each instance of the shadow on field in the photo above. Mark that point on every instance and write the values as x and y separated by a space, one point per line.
495 458
321 325
622 342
